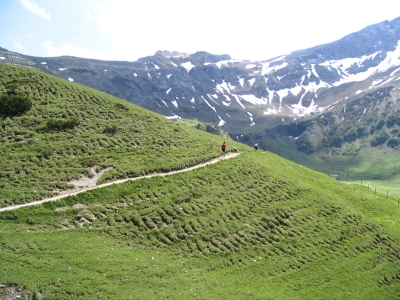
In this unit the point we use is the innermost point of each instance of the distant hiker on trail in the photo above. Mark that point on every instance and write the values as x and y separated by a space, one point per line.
256 146
223 147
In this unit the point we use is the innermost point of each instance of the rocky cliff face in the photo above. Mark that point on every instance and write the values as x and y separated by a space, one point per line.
243 96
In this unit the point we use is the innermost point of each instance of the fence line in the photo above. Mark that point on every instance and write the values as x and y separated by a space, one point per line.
382 191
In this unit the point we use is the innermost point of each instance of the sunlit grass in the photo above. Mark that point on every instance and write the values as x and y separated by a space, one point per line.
38 159
255 225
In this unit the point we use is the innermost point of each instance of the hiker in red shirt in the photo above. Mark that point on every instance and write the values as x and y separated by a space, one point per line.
223 147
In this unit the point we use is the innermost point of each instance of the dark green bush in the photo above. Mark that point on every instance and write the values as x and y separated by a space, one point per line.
13 105
392 120
305 146
337 141
380 124
110 129
350 136
380 138
57 124
393 142
361 131
212 129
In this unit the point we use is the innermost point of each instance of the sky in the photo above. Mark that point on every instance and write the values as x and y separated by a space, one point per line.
126 30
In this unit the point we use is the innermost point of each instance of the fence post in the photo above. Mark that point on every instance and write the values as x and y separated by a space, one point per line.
361 181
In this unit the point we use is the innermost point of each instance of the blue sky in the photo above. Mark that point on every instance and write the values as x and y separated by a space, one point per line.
130 29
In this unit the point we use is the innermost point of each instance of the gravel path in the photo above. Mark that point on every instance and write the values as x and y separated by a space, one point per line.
86 184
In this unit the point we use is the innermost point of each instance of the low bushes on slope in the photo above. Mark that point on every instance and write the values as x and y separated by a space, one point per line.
70 128
253 226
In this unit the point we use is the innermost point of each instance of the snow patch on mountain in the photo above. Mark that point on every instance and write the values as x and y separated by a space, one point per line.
253 99
251 119
313 71
395 71
250 66
212 107
226 62
212 99
223 87
188 66
238 101
342 66
267 68
270 111
221 122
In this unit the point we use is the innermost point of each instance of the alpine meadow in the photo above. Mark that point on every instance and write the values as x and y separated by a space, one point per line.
255 226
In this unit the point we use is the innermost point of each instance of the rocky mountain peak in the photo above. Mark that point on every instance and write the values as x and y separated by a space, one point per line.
169 54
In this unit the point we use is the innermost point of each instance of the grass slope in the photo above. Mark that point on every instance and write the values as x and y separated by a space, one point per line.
39 158
256 226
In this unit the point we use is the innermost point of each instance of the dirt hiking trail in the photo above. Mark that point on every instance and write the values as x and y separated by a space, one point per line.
85 184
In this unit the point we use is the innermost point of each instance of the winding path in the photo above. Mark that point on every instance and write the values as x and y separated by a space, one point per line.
65 194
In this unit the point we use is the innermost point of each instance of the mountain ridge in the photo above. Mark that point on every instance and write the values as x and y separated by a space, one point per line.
219 89
247 97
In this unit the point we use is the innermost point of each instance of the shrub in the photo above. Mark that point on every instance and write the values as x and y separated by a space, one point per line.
393 142
361 131
305 146
57 124
379 138
110 129
13 105
336 142
46 153
380 124
350 136
392 120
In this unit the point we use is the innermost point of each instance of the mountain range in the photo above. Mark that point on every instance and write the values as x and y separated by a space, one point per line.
262 101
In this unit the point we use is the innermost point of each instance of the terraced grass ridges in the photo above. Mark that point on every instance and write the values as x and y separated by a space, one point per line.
256 226
39 158
248 219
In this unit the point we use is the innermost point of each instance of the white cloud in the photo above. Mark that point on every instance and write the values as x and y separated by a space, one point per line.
34 8
70 50
18 45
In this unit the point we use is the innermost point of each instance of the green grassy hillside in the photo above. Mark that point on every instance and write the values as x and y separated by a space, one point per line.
255 226
71 128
